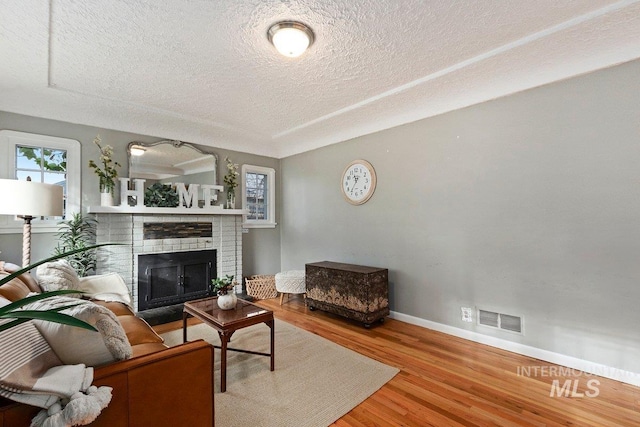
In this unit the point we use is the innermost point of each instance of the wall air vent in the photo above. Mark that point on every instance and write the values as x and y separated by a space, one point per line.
500 321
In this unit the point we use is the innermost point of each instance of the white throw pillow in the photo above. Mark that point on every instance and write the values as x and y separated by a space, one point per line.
57 275
105 287
75 345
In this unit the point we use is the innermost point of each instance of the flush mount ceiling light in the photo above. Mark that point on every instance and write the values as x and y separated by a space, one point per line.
290 38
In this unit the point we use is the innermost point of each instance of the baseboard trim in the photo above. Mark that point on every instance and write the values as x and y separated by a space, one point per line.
623 376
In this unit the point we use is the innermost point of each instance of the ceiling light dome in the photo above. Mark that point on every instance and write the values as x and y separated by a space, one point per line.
290 38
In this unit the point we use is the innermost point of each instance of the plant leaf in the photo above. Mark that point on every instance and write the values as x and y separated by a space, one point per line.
50 316
9 325
28 300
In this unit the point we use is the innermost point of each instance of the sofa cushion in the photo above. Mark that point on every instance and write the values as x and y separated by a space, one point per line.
138 331
26 278
105 287
14 289
118 308
147 348
57 275
76 345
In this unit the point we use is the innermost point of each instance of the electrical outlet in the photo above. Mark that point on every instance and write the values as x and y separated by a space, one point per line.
467 314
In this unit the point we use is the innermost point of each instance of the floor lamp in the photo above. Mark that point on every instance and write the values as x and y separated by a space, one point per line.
27 200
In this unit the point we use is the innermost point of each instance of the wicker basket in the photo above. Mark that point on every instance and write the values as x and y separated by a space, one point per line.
262 286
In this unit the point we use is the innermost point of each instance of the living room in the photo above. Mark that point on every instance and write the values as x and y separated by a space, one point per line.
504 184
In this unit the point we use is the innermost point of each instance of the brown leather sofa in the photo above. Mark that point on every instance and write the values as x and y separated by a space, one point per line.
158 386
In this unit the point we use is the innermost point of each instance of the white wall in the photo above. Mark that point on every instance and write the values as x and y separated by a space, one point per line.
527 205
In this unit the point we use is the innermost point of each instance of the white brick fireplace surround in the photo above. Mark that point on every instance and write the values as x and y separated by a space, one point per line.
116 226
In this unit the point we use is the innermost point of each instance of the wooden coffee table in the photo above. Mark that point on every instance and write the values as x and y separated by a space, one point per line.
226 322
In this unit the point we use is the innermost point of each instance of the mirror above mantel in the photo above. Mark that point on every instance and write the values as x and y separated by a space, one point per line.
171 161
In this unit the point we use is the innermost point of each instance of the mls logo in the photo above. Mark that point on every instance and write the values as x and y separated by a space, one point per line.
569 390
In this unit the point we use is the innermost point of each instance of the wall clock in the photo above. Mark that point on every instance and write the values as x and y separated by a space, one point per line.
358 182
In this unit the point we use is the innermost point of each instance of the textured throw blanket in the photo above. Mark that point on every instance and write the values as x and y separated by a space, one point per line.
31 373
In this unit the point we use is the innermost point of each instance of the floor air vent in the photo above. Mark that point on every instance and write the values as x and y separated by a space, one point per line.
500 321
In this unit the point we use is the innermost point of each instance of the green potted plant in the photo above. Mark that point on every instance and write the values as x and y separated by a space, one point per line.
231 181
107 174
223 286
79 232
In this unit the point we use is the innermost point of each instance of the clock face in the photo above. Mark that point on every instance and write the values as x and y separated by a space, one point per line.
358 182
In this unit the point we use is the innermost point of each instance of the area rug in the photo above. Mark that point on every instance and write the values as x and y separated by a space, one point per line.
315 381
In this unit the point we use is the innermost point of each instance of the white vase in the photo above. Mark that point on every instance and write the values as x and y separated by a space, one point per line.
227 301
106 198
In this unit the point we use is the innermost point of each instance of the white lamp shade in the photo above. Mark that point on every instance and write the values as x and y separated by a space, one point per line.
27 198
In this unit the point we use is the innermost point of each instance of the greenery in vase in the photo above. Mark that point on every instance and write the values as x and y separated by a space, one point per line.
231 178
161 195
222 285
79 232
108 173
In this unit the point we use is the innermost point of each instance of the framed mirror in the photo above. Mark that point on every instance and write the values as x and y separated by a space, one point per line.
171 161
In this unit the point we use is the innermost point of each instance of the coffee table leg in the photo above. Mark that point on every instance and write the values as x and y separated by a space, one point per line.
273 341
223 361
185 315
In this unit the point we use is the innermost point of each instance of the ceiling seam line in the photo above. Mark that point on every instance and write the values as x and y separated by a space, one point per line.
460 65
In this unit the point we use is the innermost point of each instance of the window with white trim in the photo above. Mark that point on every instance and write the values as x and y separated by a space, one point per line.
42 158
259 196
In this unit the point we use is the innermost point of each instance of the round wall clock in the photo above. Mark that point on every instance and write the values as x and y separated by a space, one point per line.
358 182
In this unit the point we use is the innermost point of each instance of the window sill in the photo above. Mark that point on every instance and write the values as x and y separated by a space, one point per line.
259 225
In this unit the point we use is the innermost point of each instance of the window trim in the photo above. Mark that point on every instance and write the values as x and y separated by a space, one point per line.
9 139
271 195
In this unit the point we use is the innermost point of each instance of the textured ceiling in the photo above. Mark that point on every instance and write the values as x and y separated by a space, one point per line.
203 71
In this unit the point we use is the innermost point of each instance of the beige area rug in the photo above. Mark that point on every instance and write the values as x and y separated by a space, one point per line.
315 381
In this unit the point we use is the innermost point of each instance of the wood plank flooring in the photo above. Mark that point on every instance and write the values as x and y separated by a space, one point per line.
448 381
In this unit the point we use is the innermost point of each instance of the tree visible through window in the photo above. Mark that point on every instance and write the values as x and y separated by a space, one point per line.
256 193
259 196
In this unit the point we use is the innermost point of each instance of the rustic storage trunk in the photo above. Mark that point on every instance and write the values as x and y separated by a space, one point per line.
353 291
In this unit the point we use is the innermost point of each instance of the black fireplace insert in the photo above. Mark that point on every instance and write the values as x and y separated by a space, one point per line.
173 278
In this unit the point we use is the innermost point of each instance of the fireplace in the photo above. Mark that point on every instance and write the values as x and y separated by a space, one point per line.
174 277
156 231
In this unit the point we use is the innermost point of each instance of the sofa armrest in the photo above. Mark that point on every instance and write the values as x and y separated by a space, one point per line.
169 387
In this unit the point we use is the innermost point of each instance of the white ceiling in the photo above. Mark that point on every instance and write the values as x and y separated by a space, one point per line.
203 71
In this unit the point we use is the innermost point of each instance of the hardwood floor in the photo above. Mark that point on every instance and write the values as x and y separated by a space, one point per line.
448 381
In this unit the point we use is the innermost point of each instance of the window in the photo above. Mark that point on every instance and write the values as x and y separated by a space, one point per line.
258 193
45 159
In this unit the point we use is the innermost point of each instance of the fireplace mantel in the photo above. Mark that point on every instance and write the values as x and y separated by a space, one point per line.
164 211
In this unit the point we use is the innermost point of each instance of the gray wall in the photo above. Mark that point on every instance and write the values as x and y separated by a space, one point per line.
261 248
526 205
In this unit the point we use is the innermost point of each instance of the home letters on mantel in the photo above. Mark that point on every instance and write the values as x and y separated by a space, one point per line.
187 195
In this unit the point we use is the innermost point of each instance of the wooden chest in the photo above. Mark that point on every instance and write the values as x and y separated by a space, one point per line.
353 291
